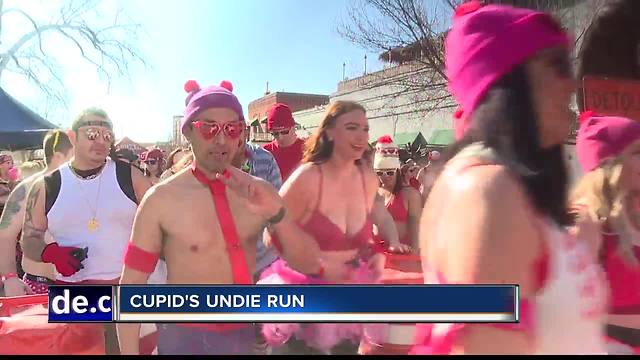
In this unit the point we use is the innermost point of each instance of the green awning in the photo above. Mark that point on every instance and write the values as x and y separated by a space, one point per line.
442 137
409 138
256 122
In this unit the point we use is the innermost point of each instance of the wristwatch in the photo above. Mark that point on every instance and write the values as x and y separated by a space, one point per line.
277 217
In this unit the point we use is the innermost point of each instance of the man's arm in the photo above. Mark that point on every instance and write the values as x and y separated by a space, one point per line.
35 222
10 225
140 261
140 182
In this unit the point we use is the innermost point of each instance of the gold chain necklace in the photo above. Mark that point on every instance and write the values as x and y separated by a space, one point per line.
93 223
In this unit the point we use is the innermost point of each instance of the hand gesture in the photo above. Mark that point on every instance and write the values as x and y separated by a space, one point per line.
261 197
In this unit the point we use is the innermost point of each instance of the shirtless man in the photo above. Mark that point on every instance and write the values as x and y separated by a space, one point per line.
206 225
57 151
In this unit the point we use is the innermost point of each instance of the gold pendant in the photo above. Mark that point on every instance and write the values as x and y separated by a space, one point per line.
93 224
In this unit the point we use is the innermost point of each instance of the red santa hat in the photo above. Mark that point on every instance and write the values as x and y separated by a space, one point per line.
387 154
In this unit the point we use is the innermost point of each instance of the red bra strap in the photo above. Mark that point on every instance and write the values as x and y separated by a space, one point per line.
364 189
237 258
319 189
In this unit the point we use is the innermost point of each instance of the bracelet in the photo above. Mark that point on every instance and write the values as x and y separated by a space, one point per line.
277 217
7 276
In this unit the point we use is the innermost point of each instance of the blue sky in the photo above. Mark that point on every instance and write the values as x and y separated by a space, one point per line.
292 44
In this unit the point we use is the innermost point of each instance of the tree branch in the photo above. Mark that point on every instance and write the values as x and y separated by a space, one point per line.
108 49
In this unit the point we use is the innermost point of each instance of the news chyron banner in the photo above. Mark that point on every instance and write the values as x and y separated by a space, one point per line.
283 303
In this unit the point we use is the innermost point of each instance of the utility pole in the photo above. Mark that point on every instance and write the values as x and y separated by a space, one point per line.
365 64
344 67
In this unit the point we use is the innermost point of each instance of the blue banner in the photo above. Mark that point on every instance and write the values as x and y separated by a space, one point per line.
285 303
360 303
80 303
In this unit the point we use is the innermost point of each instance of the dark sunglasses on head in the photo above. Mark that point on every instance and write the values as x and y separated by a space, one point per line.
280 133
209 130
386 173
93 134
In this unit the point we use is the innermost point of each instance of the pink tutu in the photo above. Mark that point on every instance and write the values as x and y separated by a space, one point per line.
322 337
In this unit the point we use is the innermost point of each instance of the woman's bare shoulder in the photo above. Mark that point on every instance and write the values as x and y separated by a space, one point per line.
303 179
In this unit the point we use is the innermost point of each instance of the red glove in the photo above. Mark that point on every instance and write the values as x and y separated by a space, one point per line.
67 260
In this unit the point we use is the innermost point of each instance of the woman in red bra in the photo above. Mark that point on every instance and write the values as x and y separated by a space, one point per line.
402 200
607 203
331 196
495 207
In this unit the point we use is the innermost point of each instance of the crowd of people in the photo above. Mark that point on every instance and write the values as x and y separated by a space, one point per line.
495 208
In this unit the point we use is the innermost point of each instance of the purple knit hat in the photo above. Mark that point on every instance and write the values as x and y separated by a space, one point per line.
486 42
214 96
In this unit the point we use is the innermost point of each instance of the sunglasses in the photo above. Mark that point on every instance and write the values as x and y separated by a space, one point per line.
280 133
152 161
386 173
210 130
93 134
390 151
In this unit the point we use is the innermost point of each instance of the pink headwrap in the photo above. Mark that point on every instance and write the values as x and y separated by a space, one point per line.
602 137
486 42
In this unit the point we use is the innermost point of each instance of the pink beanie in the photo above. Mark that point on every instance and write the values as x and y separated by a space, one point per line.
602 137
487 42
199 99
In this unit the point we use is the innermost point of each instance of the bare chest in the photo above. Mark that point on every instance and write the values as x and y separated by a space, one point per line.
197 225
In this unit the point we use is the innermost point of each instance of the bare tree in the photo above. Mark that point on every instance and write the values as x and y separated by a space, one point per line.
411 33
109 48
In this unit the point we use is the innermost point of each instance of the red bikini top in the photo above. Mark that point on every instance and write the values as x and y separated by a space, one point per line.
328 234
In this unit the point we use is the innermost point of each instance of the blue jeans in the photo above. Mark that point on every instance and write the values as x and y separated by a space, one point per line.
174 339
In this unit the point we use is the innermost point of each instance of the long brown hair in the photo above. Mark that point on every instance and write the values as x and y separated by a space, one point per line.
318 148
606 200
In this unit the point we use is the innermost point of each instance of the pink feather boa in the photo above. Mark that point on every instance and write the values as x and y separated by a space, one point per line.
322 337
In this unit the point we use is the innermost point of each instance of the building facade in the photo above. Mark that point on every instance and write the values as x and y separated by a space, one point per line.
259 108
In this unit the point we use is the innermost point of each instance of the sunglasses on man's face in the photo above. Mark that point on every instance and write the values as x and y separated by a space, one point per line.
152 161
93 134
209 130
386 173
280 133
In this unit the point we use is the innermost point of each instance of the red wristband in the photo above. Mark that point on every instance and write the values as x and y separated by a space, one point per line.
7 276
140 259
